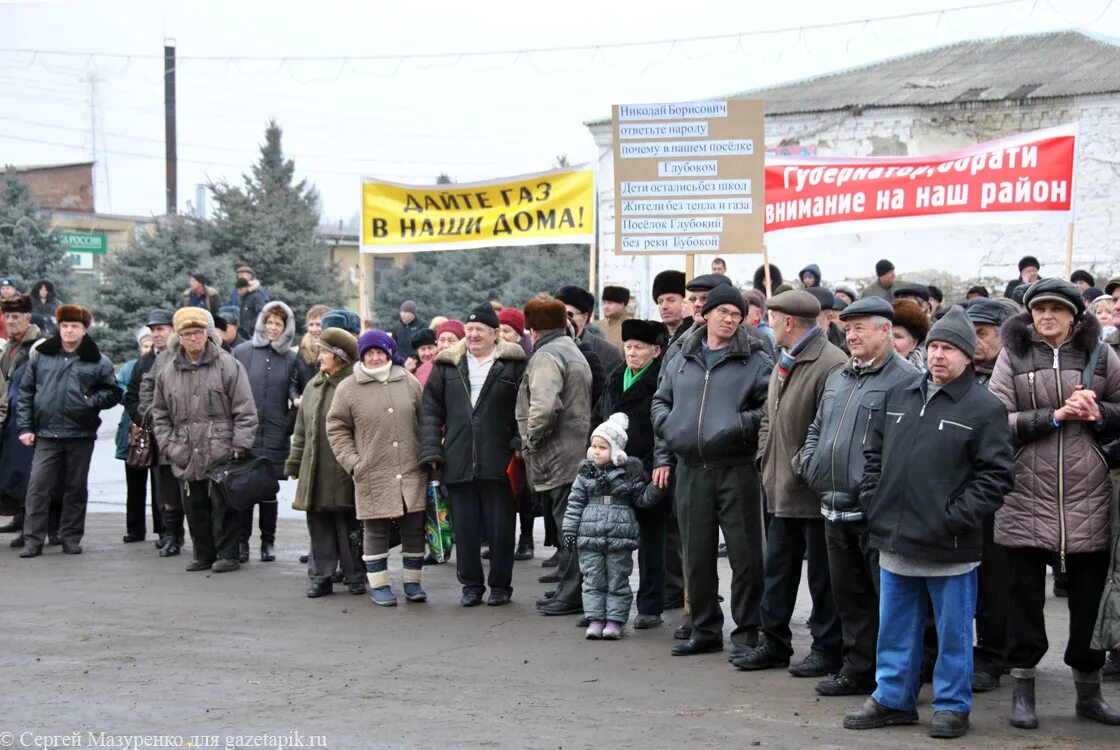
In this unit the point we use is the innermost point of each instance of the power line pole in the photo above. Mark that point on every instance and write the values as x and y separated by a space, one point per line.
170 156
93 79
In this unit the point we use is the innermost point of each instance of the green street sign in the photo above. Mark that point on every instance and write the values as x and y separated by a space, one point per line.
85 242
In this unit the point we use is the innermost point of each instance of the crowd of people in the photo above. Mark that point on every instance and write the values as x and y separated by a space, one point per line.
923 461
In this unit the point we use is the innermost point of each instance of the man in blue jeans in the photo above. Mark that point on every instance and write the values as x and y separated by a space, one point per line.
938 463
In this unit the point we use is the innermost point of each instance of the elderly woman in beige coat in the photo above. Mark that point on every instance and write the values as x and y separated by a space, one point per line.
374 428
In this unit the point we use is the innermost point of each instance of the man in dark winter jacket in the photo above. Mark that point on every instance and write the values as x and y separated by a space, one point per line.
805 361
832 463
250 301
68 381
580 303
247 273
200 294
468 430
408 324
706 415
939 462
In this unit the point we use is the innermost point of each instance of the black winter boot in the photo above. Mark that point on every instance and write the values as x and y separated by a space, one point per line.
524 548
1090 703
172 532
1022 704
13 526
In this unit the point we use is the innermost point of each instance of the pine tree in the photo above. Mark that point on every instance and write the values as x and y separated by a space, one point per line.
29 250
453 282
270 224
153 272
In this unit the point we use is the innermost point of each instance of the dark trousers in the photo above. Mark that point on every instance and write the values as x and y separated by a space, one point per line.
65 462
335 536
1026 624
136 503
652 525
786 544
710 500
526 513
854 577
991 605
570 588
214 525
168 499
674 556
478 507
266 523
377 535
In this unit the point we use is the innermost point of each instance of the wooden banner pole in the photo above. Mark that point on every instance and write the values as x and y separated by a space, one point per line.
689 267
593 268
766 271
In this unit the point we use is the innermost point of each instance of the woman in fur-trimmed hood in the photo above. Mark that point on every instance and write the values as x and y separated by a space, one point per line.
271 364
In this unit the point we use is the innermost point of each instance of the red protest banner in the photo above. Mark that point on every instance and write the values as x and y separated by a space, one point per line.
1027 177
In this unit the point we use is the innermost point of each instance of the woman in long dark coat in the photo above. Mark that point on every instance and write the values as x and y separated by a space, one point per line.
325 490
629 389
273 375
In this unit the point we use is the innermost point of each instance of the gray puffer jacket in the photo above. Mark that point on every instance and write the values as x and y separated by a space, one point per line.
1062 486
601 506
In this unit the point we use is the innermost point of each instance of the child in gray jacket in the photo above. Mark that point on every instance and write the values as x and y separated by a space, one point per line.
601 524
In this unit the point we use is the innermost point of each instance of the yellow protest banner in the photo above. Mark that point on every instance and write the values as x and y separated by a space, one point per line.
534 209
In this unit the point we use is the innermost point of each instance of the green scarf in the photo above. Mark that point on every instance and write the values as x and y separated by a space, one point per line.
629 378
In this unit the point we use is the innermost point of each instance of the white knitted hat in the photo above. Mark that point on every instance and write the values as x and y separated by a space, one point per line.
613 431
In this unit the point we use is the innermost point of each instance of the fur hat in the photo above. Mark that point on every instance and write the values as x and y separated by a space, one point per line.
956 330
979 290
883 267
1082 275
339 343
375 339
908 315
760 278
344 319
580 299
485 315
1029 261
619 294
73 314
425 337
668 282
190 317
613 432
19 304
545 315
512 317
650 331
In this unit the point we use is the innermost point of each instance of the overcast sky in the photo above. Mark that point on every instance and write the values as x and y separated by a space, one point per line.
474 117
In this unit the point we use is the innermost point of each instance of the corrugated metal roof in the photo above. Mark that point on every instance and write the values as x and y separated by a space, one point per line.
1032 66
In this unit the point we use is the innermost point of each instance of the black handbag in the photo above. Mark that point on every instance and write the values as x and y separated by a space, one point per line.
244 481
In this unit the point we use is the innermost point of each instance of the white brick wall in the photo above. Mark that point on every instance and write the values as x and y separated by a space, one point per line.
967 251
